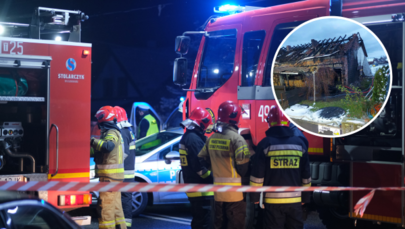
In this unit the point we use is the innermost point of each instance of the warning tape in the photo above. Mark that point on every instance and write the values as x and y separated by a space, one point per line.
163 187
359 208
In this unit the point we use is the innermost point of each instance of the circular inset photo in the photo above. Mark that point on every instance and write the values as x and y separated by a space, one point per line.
331 76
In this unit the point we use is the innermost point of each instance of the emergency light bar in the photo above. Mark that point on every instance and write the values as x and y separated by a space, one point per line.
232 9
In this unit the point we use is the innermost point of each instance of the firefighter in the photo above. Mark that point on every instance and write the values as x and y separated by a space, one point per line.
148 124
195 172
129 162
228 154
298 133
108 156
281 159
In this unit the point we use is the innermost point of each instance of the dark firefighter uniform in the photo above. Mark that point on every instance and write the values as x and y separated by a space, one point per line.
108 156
281 159
299 133
228 154
129 172
195 173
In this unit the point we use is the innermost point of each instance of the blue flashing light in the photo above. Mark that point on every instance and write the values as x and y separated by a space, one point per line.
181 99
228 8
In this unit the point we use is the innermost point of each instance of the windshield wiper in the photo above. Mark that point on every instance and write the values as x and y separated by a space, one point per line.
204 90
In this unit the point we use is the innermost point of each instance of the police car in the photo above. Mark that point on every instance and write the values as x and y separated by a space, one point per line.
157 164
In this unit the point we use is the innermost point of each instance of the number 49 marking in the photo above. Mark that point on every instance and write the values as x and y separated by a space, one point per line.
263 112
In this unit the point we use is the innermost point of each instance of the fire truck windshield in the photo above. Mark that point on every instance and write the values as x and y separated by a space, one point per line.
218 59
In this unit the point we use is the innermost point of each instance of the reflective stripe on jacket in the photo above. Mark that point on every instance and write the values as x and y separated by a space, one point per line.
228 154
129 149
281 159
108 159
194 172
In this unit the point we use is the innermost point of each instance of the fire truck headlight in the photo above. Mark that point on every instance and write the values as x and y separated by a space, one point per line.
1 29
58 38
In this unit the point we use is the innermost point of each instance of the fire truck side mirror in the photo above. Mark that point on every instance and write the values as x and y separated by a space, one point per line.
180 71
182 44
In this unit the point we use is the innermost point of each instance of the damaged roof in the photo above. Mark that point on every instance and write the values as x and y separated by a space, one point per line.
321 48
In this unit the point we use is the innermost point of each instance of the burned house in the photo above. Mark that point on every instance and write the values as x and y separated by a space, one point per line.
319 66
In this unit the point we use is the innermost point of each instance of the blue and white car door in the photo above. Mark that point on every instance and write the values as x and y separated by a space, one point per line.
167 174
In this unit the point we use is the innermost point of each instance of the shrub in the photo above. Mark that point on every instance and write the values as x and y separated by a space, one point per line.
356 103
380 83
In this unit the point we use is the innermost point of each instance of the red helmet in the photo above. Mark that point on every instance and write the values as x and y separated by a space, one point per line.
229 112
121 114
201 117
106 114
276 117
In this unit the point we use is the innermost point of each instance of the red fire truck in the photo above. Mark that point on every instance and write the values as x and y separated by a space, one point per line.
45 74
234 63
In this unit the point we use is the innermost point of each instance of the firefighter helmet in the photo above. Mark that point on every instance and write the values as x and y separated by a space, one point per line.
122 118
106 114
201 117
121 114
276 117
229 112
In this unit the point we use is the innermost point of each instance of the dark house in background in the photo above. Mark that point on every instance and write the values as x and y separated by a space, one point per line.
129 75
334 61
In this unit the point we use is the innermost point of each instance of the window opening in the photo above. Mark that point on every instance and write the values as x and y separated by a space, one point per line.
252 47
218 59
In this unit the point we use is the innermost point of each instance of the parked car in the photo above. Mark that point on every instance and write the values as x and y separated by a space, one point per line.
157 164
18 210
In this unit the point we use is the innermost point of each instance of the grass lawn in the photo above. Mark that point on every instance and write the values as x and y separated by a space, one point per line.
322 104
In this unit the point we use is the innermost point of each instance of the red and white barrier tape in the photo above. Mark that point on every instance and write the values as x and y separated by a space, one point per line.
161 187
361 205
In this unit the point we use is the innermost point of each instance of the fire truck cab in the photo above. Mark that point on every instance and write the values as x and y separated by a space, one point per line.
234 62
45 74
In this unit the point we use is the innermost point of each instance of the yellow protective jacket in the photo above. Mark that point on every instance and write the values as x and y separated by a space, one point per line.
108 155
228 154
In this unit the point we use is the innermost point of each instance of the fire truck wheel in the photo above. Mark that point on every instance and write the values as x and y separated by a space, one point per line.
332 220
139 202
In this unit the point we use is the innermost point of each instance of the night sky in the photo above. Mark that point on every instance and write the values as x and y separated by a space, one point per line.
135 25
130 23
